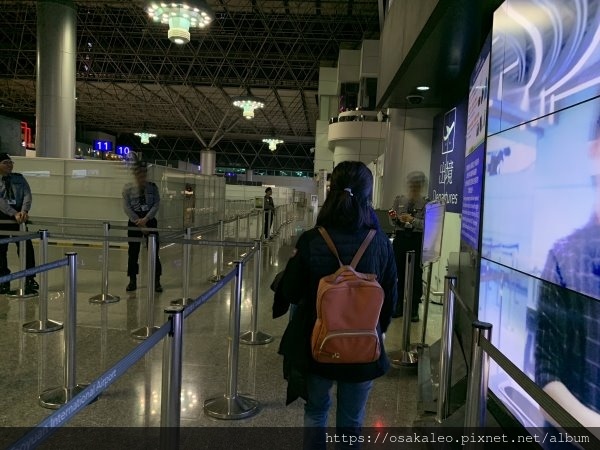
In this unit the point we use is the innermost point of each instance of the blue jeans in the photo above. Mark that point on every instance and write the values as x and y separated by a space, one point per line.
351 406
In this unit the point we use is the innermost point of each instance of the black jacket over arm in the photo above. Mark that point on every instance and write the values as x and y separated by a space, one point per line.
299 284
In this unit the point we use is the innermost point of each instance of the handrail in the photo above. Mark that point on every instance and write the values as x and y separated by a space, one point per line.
482 350
547 403
477 389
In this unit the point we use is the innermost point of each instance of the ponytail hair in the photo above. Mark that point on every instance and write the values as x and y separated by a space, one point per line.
348 204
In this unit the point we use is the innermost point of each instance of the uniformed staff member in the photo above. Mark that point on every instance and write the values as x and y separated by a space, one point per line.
15 204
408 217
141 200
269 207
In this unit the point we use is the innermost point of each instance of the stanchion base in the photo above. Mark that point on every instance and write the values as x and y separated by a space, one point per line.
19 293
37 326
56 397
143 333
102 299
237 407
255 338
403 358
181 301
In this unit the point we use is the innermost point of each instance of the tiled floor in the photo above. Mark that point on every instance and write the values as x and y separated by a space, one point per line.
32 363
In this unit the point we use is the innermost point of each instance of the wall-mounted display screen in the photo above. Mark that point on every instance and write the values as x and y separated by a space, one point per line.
545 57
542 198
540 272
549 332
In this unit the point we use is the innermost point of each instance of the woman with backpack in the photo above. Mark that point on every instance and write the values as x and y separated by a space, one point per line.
342 277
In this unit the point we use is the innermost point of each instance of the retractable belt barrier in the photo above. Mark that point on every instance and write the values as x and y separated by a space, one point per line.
71 398
482 351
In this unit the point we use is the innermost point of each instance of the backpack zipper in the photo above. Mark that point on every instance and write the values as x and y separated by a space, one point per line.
344 333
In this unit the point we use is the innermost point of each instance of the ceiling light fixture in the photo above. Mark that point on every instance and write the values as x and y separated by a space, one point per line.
422 88
181 16
273 142
248 104
145 137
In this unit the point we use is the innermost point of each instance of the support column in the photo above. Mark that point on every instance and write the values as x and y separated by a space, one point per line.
208 162
56 83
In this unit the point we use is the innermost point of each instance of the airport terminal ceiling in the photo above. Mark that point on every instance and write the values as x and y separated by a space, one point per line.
131 77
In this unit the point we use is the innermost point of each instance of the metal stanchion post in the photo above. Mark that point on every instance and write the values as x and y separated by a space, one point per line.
237 236
105 297
407 357
477 387
56 397
426 305
255 337
258 223
220 251
443 405
247 227
149 329
232 405
186 263
43 325
20 292
171 380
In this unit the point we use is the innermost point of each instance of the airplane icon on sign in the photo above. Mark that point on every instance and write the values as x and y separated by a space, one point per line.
449 132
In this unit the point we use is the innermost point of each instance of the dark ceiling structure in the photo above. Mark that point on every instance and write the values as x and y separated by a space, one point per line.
449 44
131 77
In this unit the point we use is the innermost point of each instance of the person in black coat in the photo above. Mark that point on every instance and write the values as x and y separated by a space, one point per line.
347 216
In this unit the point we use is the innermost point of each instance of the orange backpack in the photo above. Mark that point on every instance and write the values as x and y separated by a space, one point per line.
348 308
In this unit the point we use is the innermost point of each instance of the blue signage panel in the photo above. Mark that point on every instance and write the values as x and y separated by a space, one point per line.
103 146
471 206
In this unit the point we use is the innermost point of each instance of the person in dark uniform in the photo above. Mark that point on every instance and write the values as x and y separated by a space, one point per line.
141 201
407 215
15 204
269 207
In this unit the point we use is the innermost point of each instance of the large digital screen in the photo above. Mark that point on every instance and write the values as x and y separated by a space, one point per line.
549 332
540 272
545 57
542 198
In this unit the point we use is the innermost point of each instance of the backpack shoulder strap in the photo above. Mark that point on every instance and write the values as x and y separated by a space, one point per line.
363 247
330 244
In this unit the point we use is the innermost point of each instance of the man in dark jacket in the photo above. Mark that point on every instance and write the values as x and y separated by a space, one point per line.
15 204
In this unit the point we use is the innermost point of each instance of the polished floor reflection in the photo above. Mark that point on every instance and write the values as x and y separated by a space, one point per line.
33 363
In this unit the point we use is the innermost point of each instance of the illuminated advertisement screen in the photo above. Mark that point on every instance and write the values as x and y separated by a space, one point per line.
540 272
545 57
